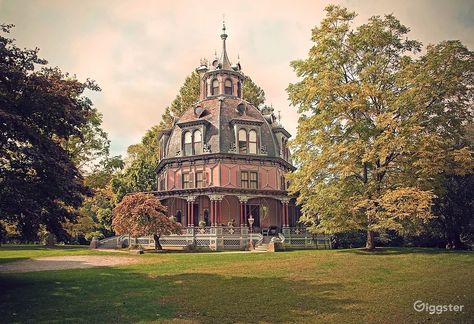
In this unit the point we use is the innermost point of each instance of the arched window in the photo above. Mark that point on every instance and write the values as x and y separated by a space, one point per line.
197 142
253 142
188 143
243 141
239 89
215 87
228 87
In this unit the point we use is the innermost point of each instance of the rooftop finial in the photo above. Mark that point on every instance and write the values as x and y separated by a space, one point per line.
224 59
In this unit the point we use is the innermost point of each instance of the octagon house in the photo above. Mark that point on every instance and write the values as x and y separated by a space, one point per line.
224 162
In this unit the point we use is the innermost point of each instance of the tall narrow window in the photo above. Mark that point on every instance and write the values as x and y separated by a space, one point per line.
284 150
215 87
253 142
239 89
253 180
242 141
197 142
244 179
162 183
186 180
228 87
178 216
188 144
199 179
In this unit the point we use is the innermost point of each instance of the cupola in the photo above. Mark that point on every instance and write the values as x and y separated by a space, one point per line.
221 78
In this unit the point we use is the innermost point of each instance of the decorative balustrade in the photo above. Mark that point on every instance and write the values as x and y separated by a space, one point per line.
226 237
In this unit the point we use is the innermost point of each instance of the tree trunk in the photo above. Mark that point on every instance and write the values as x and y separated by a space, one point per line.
370 245
158 246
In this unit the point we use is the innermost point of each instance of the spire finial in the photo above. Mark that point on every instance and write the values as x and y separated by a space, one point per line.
224 59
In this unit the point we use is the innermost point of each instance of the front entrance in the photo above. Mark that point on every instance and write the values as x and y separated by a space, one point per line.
253 210
196 214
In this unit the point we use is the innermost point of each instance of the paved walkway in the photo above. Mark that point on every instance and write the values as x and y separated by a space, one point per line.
65 262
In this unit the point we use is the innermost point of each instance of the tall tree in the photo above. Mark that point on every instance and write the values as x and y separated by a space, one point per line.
253 93
91 147
143 214
377 125
39 110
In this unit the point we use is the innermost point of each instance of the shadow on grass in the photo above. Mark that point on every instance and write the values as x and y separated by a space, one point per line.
401 251
122 295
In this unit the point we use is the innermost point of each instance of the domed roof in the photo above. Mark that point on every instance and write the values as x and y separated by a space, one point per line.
217 117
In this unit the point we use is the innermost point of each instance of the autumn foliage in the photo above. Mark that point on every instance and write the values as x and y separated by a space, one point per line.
142 214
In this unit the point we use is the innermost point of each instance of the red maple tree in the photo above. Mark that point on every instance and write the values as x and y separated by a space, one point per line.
143 214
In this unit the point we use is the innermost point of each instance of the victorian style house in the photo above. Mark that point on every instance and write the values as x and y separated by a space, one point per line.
222 171
225 160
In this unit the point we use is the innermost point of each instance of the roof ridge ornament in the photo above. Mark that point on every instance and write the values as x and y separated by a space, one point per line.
224 61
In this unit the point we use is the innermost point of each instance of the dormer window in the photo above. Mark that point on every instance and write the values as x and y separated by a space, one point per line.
228 87
247 141
253 142
242 141
188 143
192 143
197 142
215 87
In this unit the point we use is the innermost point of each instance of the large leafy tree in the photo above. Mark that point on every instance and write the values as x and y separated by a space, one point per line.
378 124
143 214
39 110
90 148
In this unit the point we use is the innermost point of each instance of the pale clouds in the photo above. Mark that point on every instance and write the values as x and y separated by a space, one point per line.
141 51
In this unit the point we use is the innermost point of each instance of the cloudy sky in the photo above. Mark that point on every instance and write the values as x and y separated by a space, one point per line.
141 51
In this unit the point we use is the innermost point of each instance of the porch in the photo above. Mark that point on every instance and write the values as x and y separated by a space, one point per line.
219 238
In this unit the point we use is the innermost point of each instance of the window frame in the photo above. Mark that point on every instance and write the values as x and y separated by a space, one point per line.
214 90
197 145
246 180
228 89
242 149
199 183
253 183
186 183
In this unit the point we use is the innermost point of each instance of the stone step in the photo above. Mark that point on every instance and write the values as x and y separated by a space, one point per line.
262 247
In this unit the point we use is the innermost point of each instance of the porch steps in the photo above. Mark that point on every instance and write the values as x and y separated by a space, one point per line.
261 248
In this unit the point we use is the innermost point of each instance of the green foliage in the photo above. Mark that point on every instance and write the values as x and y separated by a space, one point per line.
253 93
91 146
378 125
89 236
40 111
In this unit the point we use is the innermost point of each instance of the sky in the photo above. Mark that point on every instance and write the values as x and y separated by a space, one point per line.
140 52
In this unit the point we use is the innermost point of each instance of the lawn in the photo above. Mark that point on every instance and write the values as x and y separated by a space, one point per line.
298 286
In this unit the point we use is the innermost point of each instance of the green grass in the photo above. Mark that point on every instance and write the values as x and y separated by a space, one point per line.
298 286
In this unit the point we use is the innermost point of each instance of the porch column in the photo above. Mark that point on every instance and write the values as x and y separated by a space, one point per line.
190 201
284 214
213 213
243 210
219 211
